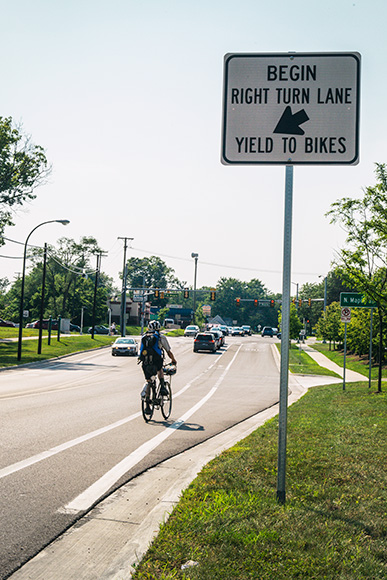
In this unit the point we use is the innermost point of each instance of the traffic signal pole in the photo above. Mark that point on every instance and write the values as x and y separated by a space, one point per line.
285 336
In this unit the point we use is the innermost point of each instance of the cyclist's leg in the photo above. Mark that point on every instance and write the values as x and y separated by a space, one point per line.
147 393
160 374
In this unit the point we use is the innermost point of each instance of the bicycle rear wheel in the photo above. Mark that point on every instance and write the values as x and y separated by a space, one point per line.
166 401
147 416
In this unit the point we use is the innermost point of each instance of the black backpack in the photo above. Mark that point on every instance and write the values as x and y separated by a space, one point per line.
148 352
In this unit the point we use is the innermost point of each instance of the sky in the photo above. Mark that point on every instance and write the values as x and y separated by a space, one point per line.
126 98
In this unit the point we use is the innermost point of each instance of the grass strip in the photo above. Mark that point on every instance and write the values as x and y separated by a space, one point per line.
175 332
334 523
353 362
301 363
66 345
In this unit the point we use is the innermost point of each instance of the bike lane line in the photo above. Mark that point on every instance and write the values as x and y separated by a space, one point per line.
18 466
91 495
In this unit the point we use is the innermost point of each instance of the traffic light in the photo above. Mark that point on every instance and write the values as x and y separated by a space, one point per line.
186 293
157 293
162 294
256 303
213 294
310 302
300 303
271 303
294 301
238 301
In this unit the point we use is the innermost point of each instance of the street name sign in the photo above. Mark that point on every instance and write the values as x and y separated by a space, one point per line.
356 300
291 108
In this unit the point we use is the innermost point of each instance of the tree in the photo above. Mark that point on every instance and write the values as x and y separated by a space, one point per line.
23 167
151 273
329 327
295 323
363 262
70 282
229 289
358 331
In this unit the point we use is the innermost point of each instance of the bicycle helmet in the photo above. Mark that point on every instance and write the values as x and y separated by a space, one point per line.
154 325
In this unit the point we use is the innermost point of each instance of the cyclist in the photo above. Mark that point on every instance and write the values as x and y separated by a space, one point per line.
153 345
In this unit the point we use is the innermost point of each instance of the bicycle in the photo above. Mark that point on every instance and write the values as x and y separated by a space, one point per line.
156 401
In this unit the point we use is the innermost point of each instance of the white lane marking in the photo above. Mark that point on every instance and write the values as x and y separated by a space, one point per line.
91 495
64 446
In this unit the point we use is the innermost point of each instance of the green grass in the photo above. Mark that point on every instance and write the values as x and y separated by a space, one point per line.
6 332
334 523
133 330
66 345
352 362
175 332
302 364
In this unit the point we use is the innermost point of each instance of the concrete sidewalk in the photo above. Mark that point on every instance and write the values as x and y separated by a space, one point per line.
108 542
323 361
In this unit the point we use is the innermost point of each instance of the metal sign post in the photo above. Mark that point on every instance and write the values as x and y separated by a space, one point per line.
345 317
345 353
285 335
370 350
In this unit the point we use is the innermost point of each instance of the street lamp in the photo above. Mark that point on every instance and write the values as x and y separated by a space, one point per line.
195 257
19 346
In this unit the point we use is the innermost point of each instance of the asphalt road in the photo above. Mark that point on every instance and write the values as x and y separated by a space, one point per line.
72 432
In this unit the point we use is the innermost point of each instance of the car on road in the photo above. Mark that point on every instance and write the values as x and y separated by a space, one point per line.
191 330
219 336
98 329
246 329
267 331
205 341
224 329
74 327
237 331
125 347
7 323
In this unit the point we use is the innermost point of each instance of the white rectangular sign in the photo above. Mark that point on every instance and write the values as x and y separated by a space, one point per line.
345 314
291 108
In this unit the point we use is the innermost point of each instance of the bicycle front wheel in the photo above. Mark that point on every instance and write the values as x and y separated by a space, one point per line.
166 401
150 408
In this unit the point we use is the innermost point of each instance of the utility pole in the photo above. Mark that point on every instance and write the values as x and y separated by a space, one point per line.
195 257
97 273
99 256
42 300
123 290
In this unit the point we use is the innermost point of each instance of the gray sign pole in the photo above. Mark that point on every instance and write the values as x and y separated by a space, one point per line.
370 354
285 335
345 353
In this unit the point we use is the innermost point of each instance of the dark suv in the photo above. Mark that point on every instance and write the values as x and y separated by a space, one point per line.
205 341
267 331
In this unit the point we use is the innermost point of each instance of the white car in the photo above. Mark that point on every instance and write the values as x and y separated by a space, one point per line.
191 330
125 346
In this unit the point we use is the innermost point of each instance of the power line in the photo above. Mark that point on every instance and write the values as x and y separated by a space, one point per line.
223 265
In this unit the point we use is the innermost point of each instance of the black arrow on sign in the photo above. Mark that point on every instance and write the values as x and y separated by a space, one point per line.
289 124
